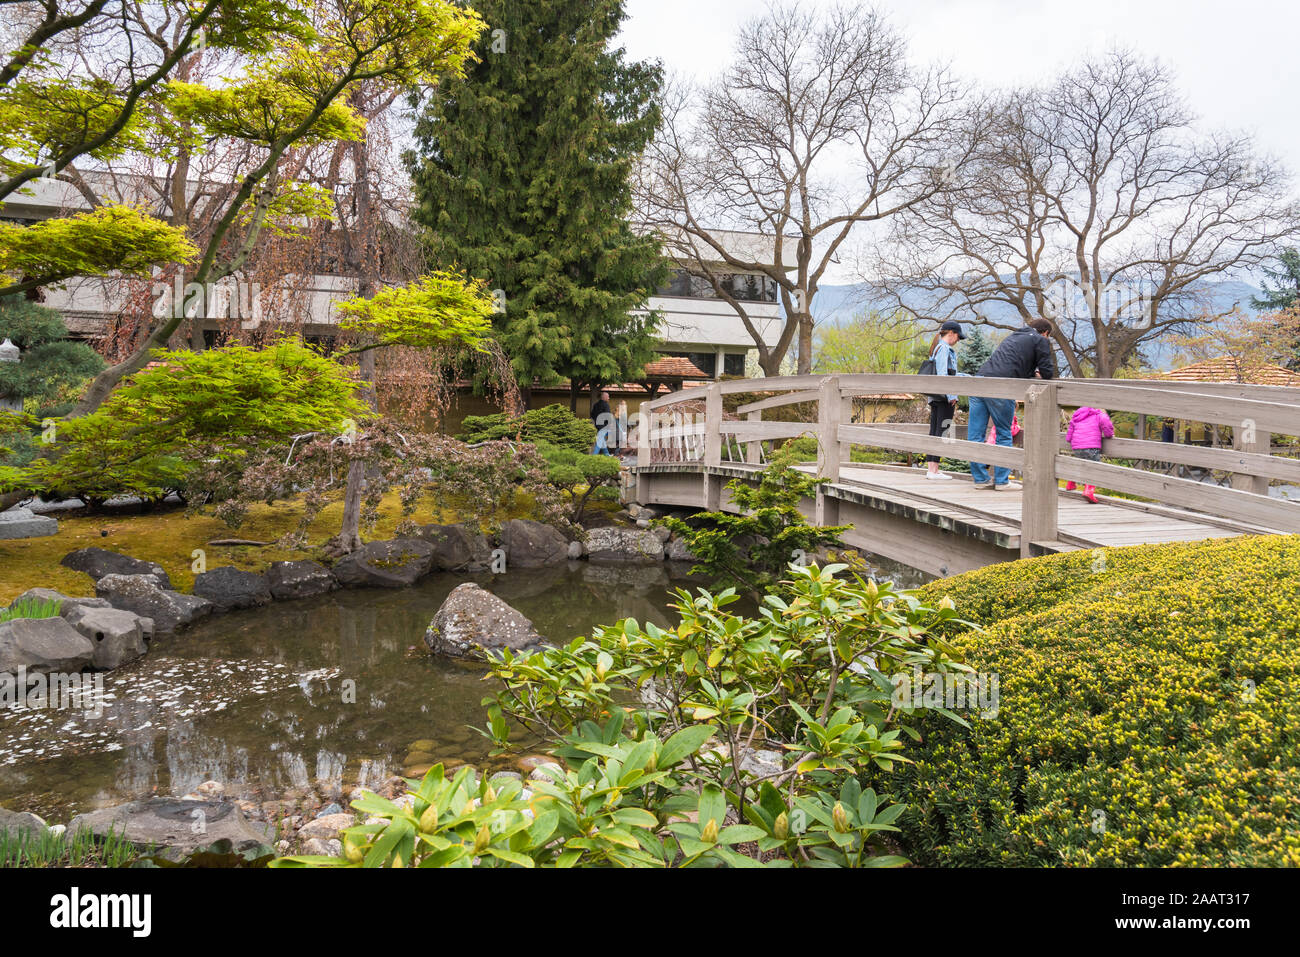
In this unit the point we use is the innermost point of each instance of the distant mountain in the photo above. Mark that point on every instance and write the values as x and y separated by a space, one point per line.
839 304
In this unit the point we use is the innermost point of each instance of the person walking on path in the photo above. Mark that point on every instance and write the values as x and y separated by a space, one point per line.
943 409
1025 354
1088 426
601 418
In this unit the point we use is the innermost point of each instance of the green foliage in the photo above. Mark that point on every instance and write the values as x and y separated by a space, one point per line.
522 176
81 848
145 438
440 309
579 475
712 691
1285 294
552 425
51 368
112 238
752 549
1148 709
32 608
871 343
974 351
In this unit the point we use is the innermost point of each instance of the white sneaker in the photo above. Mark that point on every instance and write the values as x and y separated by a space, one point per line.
1010 486
938 476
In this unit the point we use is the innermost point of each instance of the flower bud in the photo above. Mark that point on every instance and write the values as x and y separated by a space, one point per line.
782 826
947 604
429 819
482 839
710 832
490 795
397 861
352 852
841 819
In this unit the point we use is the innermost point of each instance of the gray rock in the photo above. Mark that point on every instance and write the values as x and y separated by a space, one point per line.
394 564
169 609
98 562
456 547
299 580
14 823
329 809
229 588
24 523
119 636
173 824
66 603
327 827
662 533
531 544
575 549
676 550
316 846
761 763
472 621
43 645
623 545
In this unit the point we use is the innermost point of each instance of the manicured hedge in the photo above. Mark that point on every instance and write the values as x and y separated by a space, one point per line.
1149 713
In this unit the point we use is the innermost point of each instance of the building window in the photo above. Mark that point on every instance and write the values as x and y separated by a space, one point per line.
706 362
733 363
746 287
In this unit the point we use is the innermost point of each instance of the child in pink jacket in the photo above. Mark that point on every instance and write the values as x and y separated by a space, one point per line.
1088 426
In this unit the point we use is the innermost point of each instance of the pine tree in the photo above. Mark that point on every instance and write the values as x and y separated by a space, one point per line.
1287 293
522 179
53 368
974 352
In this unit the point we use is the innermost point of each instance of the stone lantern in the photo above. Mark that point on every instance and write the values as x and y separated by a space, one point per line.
10 353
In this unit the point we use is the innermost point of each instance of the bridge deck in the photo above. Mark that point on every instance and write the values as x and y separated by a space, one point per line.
1080 522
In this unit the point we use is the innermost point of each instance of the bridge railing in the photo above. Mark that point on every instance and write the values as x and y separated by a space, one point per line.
1254 413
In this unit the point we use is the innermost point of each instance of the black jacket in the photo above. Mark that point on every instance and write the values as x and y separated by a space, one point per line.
598 408
1019 356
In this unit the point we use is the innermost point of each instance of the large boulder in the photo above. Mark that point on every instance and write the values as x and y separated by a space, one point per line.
531 544
229 588
24 523
456 547
299 580
66 602
98 562
119 636
472 621
623 545
172 824
394 564
169 609
43 645
17 823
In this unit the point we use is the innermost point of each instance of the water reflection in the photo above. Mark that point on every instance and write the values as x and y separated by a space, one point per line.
305 698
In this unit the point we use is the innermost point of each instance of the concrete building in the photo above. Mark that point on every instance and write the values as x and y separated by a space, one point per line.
696 323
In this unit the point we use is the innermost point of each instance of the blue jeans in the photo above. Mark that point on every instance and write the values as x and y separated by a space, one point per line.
1001 411
601 448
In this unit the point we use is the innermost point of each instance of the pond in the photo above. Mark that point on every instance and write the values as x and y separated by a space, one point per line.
305 699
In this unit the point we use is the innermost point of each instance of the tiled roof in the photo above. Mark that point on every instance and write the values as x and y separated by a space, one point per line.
674 367
1229 369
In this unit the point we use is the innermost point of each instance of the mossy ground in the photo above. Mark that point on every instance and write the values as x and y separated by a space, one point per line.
169 537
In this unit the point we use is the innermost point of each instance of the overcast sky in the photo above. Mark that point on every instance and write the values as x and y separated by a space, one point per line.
1237 60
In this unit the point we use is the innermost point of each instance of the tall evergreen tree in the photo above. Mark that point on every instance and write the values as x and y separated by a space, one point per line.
522 178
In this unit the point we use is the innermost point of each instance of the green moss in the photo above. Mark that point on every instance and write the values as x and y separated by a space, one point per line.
1149 712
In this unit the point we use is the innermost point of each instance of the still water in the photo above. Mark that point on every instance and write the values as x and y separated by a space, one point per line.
312 697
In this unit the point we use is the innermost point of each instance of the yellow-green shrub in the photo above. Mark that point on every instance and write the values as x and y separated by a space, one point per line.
1149 713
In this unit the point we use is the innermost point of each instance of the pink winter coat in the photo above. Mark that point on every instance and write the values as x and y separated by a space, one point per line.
1088 427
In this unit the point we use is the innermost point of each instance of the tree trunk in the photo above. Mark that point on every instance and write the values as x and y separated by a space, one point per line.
805 345
349 537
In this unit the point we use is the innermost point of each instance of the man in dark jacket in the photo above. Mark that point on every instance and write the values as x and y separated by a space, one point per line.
1025 354
601 418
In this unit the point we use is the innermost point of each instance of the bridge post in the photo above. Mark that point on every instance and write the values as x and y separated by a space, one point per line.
1038 501
643 452
754 450
712 447
1253 440
829 409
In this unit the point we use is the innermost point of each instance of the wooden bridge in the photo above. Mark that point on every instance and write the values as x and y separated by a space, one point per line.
689 448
